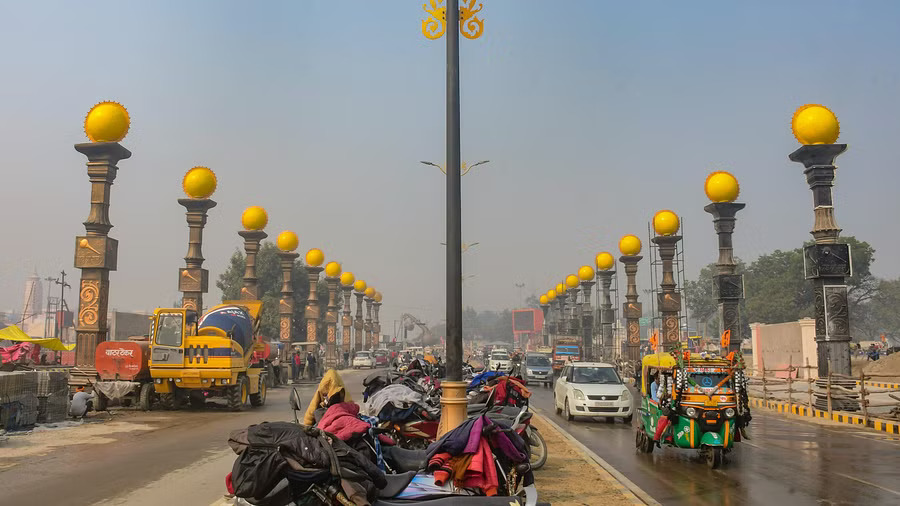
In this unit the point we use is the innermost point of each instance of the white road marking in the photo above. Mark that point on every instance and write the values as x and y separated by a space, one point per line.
869 483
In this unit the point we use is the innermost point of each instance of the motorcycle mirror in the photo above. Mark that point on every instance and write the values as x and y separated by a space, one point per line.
296 403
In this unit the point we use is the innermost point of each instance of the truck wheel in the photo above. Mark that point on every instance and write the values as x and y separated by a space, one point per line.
236 395
259 398
146 397
167 401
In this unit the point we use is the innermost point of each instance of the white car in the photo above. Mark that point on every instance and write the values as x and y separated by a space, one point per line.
499 359
592 389
363 359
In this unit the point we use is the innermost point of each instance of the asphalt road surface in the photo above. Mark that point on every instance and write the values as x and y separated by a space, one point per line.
181 458
787 461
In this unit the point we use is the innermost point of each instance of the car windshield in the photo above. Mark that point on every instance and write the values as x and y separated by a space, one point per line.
708 380
538 361
380 353
602 375
499 356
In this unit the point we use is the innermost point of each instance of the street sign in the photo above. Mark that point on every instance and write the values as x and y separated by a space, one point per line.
644 321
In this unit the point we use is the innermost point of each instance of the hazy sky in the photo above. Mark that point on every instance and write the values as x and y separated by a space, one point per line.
594 116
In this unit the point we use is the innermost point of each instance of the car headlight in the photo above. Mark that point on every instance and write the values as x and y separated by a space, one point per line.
729 412
529 371
626 395
578 394
691 412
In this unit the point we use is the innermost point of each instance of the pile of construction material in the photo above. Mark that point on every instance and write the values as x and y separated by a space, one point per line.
28 397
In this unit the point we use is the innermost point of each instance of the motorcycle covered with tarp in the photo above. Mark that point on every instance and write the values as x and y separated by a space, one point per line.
691 400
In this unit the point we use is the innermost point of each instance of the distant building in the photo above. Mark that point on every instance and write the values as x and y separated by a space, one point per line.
32 301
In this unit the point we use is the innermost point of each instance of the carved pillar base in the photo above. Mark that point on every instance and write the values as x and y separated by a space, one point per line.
453 406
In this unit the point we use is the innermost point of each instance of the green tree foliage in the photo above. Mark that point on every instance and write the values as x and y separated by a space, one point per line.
269 281
882 316
776 290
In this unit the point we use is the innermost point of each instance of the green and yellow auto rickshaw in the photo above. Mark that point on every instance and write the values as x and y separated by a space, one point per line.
691 400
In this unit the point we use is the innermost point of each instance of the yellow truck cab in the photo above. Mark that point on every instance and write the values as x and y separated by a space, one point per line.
192 359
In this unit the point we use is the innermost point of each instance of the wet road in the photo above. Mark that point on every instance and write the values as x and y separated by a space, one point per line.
786 462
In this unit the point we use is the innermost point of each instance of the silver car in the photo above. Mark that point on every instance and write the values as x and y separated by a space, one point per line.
537 369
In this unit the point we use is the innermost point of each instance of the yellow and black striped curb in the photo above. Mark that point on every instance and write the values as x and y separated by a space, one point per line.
635 494
878 424
876 384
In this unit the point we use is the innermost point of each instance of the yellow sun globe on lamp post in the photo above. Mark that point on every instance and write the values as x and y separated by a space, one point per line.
254 218
604 261
721 186
347 278
815 124
107 122
315 257
544 300
332 269
630 245
665 223
551 295
360 286
377 297
571 281
199 183
287 241
560 289
586 273
370 291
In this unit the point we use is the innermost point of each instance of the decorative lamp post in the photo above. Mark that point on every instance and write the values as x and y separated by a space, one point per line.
666 224
359 326
199 184
552 312
562 325
722 189
332 279
314 259
572 288
545 305
96 253
370 292
630 247
827 263
254 220
347 280
376 323
586 276
605 262
287 243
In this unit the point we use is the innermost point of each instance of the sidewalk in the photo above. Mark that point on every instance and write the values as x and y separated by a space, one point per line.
576 476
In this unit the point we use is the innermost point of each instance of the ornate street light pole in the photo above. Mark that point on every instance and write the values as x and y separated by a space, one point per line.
605 263
545 306
347 280
586 275
370 292
572 288
377 322
332 273
95 252
453 400
553 316
199 184
827 262
287 243
254 220
562 324
630 247
359 326
722 188
314 260
666 224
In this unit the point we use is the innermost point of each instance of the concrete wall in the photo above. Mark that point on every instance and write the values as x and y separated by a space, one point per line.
778 345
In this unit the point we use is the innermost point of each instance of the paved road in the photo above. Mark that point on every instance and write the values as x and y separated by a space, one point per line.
786 462
181 458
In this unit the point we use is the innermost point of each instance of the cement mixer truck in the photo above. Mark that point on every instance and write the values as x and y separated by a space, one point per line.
215 356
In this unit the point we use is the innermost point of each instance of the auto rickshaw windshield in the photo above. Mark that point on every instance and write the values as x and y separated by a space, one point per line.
708 379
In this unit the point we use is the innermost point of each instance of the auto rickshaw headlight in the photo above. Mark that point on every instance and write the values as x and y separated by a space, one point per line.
579 395
690 412
729 413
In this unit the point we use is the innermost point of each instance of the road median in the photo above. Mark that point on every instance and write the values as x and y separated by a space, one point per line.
574 475
881 425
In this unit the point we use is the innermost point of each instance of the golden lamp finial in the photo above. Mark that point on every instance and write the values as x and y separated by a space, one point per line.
199 183
815 124
287 241
107 122
665 222
721 186
254 218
